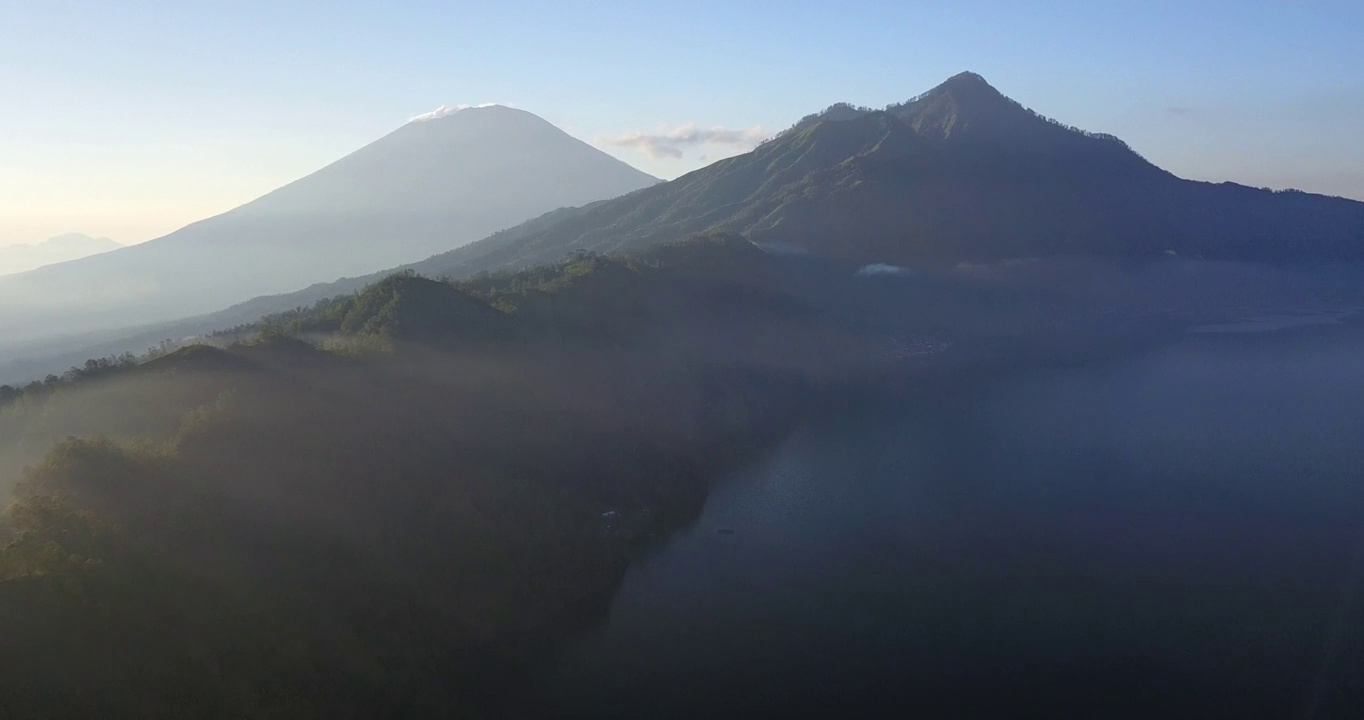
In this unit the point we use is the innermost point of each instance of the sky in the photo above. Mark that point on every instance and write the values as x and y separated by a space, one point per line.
131 119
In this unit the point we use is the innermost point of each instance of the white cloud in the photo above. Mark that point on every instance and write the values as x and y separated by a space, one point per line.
438 113
882 269
446 110
670 143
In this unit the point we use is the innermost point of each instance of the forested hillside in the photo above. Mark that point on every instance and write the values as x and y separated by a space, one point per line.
389 524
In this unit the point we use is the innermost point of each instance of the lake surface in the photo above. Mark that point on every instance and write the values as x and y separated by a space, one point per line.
1176 535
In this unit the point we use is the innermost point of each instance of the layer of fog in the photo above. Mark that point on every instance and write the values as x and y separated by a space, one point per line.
1203 292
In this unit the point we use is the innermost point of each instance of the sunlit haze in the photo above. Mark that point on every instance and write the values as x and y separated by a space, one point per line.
129 120
603 359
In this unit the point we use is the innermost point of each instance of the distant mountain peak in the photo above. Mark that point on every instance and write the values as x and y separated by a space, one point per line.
966 79
966 108
963 105
80 241
60 248
458 175
942 112
970 87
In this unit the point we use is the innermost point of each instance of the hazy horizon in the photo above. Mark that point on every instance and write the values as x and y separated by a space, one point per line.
185 134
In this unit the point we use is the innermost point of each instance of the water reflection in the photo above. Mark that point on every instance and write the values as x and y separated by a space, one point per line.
1169 535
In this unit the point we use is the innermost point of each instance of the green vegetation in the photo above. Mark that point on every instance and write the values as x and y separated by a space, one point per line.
271 530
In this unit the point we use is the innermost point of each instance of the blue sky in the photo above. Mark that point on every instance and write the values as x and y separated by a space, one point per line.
132 118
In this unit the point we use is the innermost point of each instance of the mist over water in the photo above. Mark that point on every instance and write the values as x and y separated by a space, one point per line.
1174 535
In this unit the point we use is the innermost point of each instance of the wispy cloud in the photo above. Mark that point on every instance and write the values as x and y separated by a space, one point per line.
1181 110
882 269
446 110
670 143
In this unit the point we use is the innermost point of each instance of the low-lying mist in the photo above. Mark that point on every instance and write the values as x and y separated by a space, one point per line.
397 499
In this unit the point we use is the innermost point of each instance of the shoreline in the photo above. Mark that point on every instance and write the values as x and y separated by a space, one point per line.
930 385
903 383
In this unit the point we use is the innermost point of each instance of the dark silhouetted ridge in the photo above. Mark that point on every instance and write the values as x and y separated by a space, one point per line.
195 359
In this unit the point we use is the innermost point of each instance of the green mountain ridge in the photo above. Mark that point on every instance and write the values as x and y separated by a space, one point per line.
960 173
587 297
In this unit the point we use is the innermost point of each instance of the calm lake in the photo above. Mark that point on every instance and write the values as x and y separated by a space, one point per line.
1175 535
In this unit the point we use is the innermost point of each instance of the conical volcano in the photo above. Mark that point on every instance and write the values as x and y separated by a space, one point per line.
436 183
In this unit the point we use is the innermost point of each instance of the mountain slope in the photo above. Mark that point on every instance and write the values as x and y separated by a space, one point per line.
960 173
429 186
